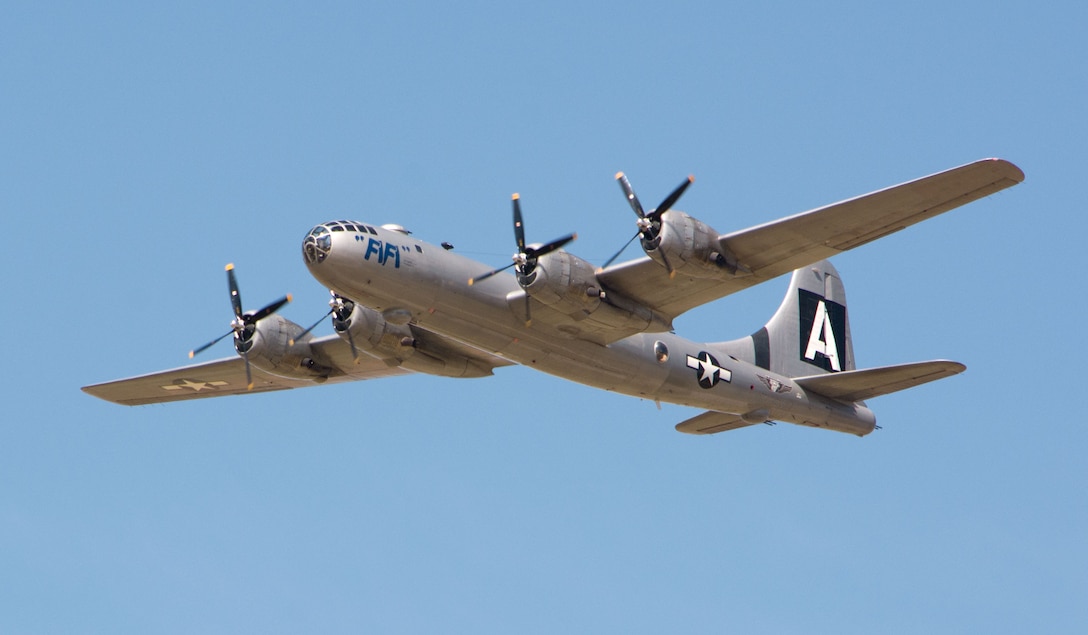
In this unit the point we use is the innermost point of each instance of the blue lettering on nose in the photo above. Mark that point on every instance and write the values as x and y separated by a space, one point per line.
393 251
387 253
374 247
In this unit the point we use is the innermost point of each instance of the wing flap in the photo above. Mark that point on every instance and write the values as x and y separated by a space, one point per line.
711 422
858 385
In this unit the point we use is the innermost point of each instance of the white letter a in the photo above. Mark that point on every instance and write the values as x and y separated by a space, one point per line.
822 338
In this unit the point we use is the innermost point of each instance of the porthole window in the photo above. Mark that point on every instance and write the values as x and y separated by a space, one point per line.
661 352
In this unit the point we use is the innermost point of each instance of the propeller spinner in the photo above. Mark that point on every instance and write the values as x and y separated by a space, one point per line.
244 325
524 261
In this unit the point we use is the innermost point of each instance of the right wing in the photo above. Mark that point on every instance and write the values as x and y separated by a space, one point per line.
224 377
778 247
228 376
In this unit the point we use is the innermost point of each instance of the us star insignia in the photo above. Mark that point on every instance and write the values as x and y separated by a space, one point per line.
195 386
708 370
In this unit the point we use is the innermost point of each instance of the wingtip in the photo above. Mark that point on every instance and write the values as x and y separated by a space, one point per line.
1015 173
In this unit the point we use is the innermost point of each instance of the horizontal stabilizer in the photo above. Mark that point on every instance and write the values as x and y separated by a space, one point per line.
858 385
711 422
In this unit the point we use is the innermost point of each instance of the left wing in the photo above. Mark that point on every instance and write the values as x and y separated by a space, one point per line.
778 247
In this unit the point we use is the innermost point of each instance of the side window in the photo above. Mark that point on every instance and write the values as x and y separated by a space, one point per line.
661 352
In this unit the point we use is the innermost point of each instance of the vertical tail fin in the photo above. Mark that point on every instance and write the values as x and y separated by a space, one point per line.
810 332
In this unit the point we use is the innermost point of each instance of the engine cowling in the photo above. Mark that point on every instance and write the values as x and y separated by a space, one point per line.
392 338
569 285
271 347
371 332
687 245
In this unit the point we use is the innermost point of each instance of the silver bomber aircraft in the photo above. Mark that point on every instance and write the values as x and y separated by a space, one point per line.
401 306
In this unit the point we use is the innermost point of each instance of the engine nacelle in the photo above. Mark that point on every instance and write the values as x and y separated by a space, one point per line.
269 348
569 285
687 245
371 332
391 338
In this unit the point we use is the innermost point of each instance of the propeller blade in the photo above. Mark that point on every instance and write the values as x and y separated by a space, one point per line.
671 199
524 261
268 310
472 281
354 351
519 225
344 309
650 224
291 342
668 265
547 248
629 192
197 351
235 297
249 374
622 249
241 325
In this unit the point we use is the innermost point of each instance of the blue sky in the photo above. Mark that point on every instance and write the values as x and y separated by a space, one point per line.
146 146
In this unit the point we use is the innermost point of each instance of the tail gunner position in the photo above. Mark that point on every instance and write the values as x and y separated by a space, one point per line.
400 305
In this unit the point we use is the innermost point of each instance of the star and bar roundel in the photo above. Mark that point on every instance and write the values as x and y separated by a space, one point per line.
708 371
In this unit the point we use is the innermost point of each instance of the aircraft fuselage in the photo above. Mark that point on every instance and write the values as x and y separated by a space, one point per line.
391 272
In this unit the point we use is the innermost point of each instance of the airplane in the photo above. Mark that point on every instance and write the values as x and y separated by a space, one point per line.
400 305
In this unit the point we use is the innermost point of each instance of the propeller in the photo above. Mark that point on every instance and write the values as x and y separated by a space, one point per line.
649 223
340 308
244 324
524 261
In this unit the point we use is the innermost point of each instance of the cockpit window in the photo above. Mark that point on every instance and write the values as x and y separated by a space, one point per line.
315 248
317 244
